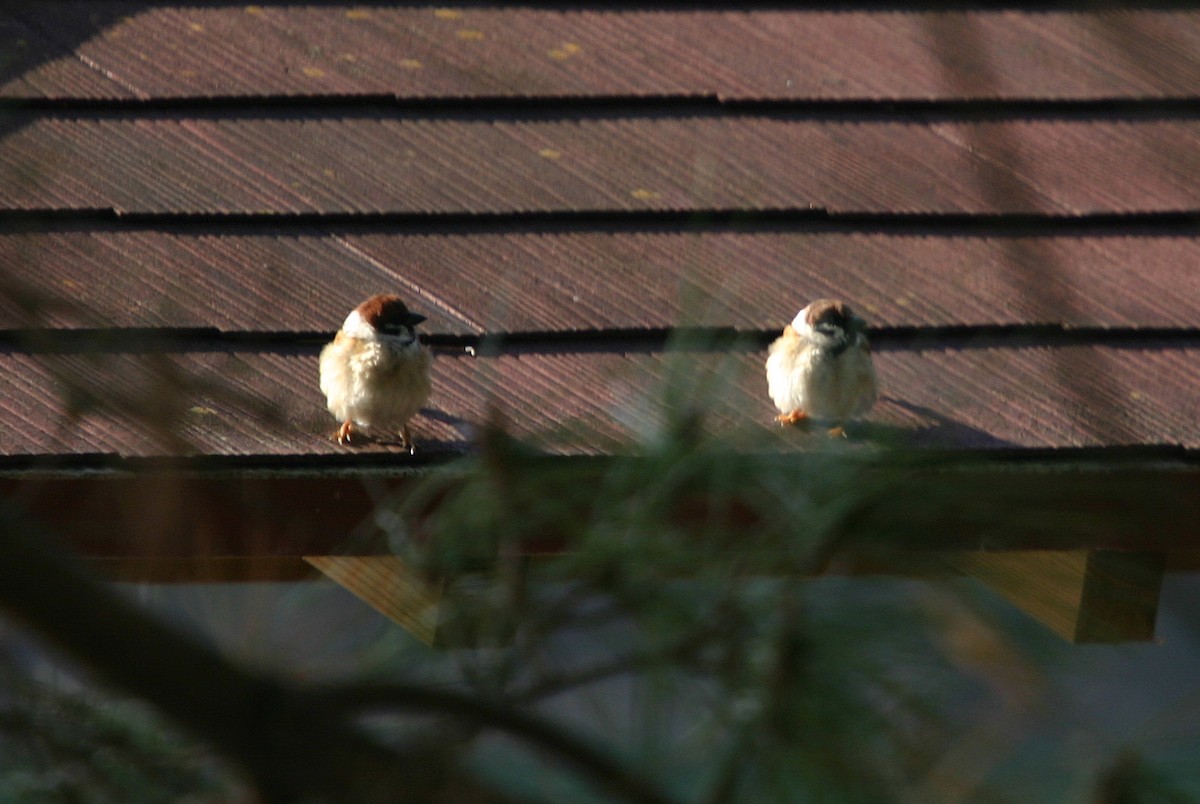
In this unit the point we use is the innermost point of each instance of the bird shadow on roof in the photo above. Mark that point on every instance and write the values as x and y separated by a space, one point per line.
938 430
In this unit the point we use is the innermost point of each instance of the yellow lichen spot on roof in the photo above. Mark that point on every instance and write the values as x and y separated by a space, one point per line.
1136 396
358 14
447 13
195 26
200 410
313 72
642 194
411 64
550 153
255 10
347 57
564 51
471 34
188 73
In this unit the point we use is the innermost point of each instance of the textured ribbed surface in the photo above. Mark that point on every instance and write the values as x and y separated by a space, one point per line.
273 185
584 403
258 282
128 50
373 164
497 282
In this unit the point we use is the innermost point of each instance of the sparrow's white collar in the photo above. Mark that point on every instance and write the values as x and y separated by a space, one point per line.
800 322
356 327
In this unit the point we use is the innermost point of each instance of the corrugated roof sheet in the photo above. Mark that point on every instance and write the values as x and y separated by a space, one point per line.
475 282
259 403
274 112
373 164
123 50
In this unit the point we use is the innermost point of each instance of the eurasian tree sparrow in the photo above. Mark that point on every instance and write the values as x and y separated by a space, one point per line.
375 372
820 366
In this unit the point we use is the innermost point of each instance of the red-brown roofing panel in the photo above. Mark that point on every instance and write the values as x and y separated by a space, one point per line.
465 166
504 282
252 404
259 283
140 50
535 282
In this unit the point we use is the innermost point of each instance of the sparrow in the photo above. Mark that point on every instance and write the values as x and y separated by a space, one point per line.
820 367
375 372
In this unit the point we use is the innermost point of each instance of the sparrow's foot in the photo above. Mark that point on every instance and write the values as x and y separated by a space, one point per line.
344 433
838 432
795 417
406 440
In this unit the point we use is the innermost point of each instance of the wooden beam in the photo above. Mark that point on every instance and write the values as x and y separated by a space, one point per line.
390 587
166 515
1120 596
1101 537
976 506
1085 596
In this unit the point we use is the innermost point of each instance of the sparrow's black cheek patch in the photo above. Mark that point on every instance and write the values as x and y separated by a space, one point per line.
840 345
825 312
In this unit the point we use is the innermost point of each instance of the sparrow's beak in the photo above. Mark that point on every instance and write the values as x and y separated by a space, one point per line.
414 319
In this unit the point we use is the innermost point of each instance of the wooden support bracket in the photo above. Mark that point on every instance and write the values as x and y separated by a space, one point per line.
390 587
1086 596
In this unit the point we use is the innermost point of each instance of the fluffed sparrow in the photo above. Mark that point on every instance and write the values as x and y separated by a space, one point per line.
375 373
820 367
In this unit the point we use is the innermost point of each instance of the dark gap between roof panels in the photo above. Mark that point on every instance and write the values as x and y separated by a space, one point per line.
711 5
708 5
1149 457
1185 223
648 340
593 107
727 339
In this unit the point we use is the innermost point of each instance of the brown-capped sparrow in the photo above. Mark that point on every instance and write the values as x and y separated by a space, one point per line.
375 373
820 367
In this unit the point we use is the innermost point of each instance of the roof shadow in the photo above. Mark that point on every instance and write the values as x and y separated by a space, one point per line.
37 33
942 432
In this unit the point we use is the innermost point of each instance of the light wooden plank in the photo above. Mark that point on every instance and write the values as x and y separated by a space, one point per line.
388 585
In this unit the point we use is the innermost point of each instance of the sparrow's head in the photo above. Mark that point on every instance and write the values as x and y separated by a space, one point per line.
830 323
382 315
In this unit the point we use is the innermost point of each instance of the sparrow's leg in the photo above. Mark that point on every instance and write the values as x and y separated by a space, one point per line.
838 432
342 436
795 417
406 439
